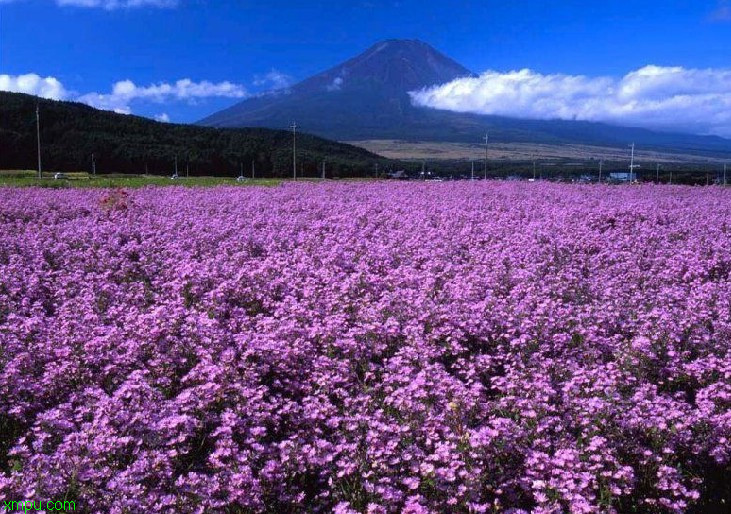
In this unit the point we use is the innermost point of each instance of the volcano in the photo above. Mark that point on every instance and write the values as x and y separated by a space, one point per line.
367 97
359 97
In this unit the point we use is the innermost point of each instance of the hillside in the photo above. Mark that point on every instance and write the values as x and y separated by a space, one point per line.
367 98
72 132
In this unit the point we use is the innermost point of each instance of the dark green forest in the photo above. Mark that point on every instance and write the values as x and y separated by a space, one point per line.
72 132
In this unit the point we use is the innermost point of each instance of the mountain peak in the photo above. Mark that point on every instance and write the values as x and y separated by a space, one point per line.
393 65
400 43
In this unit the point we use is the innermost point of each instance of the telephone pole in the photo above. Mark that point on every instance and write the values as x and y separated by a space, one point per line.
473 170
632 164
323 170
38 137
724 174
486 139
294 149
176 166
657 173
253 170
93 165
534 167
601 165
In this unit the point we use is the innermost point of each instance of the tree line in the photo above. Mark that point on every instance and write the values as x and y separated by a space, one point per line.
71 133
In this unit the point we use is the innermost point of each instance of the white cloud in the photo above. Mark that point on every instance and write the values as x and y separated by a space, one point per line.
670 98
111 5
274 80
32 84
163 116
335 85
124 92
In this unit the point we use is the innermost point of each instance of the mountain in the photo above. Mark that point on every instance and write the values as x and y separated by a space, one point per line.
359 98
72 132
367 98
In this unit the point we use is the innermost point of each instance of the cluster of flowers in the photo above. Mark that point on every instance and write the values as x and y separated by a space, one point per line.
453 347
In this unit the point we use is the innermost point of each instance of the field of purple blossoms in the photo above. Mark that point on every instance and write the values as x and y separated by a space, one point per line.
456 347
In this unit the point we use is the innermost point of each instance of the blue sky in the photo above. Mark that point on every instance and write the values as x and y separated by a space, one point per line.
230 49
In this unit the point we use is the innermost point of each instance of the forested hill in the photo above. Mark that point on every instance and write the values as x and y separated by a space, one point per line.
72 132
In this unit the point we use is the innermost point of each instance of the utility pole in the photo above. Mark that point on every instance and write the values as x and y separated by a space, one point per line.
423 169
294 149
632 164
323 170
187 169
657 173
601 165
724 174
473 170
93 165
376 170
534 167
487 137
176 166
253 170
38 136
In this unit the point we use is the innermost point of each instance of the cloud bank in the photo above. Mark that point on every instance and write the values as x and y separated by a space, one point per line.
658 97
124 92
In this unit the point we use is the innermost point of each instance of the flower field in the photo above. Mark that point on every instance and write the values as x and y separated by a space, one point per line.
455 347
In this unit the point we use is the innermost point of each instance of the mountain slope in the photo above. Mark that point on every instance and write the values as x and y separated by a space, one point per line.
367 98
71 132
